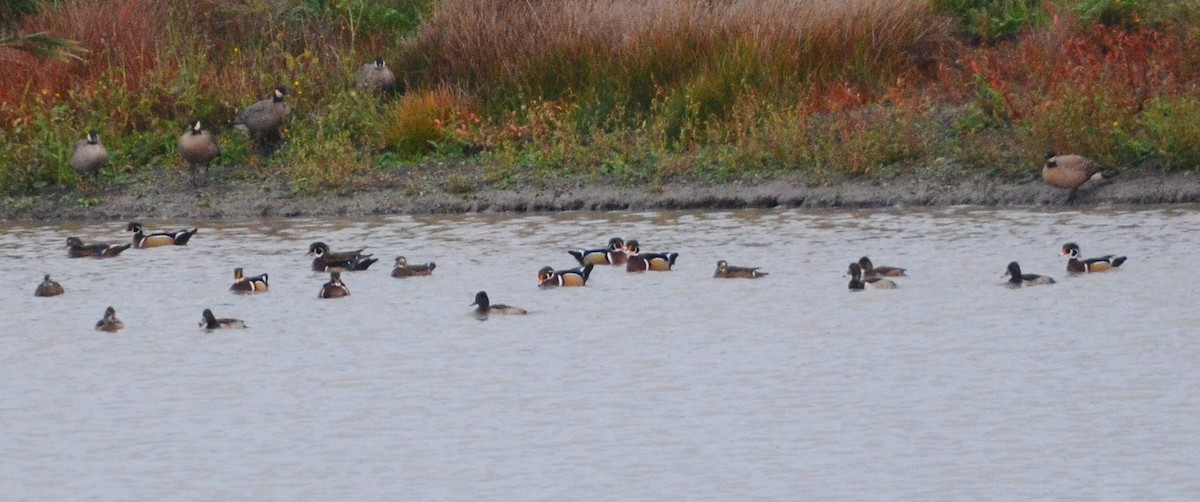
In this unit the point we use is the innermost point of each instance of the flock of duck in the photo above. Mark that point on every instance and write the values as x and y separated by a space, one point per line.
863 273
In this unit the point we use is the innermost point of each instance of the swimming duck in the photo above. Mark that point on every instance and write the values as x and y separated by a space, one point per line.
485 307
857 282
870 270
548 277
403 269
197 147
641 262
89 156
110 322
48 288
375 77
334 288
727 271
210 322
614 254
1016 278
77 249
142 240
1100 264
345 261
1072 171
248 284
264 118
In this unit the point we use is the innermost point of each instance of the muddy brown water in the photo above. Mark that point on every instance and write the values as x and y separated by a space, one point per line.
638 386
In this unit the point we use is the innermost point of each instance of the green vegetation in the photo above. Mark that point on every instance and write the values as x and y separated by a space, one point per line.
632 91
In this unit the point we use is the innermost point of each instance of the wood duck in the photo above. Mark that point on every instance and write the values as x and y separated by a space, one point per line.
375 77
1016 278
198 148
614 254
484 307
857 282
403 269
110 322
243 284
727 271
641 262
210 322
870 270
48 288
89 156
344 261
1100 264
1072 171
77 249
549 278
334 288
141 240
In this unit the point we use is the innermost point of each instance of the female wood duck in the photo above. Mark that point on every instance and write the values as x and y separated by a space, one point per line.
1100 264
345 261
334 288
110 322
242 284
641 262
870 270
142 240
614 254
48 288
403 269
549 278
1016 278
77 249
858 283
484 307
727 271
210 322
1072 171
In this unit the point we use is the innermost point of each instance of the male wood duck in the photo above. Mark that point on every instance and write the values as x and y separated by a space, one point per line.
110 322
243 284
484 307
77 249
727 271
870 270
614 254
578 276
334 288
641 262
1016 278
1072 171
142 240
210 322
48 288
1100 264
344 261
403 269
857 282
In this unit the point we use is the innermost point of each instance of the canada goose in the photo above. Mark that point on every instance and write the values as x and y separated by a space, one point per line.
264 118
375 77
197 147
1072 171
89 155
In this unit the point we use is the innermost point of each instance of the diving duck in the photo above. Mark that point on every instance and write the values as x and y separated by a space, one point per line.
48 288
210 322
1016 278
1072 171
77 249
1100 264
110 322
727 271
641 262
334 288
857 282
870 270
614 254
242 284
345 261
403 269
141 240
549 278
484 307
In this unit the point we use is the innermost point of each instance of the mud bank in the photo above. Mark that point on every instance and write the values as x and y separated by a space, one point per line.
168 194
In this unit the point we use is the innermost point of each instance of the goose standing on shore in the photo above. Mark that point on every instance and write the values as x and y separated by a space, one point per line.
197 147
263 119
89 156
375 77
1069 172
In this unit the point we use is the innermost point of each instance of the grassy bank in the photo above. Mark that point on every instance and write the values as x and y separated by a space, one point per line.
638 92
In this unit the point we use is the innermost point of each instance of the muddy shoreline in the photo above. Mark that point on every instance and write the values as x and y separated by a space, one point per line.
168 194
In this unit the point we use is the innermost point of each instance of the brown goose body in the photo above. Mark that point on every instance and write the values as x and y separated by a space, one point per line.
375 77
264 118
89 156
1070 172
197 147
